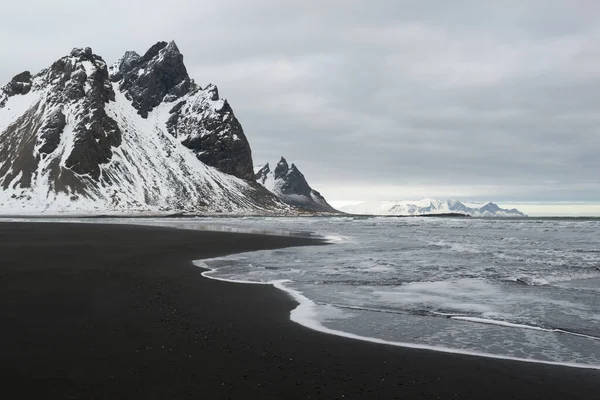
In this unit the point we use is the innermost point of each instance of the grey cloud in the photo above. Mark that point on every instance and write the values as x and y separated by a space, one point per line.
384 99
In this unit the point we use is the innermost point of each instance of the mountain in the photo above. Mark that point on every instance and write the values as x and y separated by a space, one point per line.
429 206
289 184
138 135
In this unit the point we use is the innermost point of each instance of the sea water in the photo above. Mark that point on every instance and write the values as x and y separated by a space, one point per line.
509 288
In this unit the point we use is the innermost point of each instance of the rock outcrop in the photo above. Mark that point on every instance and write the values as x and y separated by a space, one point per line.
290 185
201 121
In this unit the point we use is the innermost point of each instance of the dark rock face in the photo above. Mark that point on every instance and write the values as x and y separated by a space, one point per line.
20 84
156 76
294 181
203 123
208 127
95 132
127 63
51 130
77 85
290 185
262 174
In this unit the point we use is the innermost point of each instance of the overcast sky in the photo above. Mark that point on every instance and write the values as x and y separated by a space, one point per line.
373 100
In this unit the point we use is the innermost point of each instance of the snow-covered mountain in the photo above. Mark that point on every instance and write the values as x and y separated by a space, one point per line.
140 135
290 185
430 206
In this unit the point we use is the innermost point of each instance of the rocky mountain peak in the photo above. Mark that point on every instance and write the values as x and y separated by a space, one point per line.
129 60
282 169
290 185
80 136
202 121
63 129
154 51
159 75
20 84
84 53
207 125
262 174
212 92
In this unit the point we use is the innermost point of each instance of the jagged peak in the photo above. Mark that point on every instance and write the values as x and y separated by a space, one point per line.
281 169
67 77
212 92
290 185
172 46
125 64
129 57
262 173
153 51
160 74
263 168
82 52
23 77
129 54
161 49
19 84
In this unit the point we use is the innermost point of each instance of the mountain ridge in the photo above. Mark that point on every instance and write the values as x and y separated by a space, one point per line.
431 206
291 187
139 135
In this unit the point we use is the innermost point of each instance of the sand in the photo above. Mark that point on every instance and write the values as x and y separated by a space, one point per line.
91 311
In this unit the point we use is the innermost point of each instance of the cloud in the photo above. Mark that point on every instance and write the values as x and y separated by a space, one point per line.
380 100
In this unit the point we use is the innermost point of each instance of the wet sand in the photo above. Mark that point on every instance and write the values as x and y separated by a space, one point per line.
119 312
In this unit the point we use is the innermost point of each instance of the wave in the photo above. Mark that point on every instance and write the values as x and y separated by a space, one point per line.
333 239
466 318
531 281
458 247
590 273
307 315
521 326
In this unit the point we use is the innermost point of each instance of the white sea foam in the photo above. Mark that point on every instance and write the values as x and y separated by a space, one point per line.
307 314
336 239
520 326
384 265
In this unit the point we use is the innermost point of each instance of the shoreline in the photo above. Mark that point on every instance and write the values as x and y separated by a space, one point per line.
120 311
304 305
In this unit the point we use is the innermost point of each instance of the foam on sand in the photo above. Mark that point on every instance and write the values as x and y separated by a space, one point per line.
521 326
307 314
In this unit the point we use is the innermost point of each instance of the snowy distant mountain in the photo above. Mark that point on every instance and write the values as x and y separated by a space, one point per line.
140 135
429 206
290 185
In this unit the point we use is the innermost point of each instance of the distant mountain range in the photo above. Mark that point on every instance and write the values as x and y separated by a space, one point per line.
291 187
430 206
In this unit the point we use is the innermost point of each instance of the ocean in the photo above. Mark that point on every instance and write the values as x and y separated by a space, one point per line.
526 289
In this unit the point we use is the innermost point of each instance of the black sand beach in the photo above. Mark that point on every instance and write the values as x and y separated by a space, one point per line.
120 312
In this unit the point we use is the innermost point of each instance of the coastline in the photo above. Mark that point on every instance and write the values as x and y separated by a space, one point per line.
120 311
304 315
